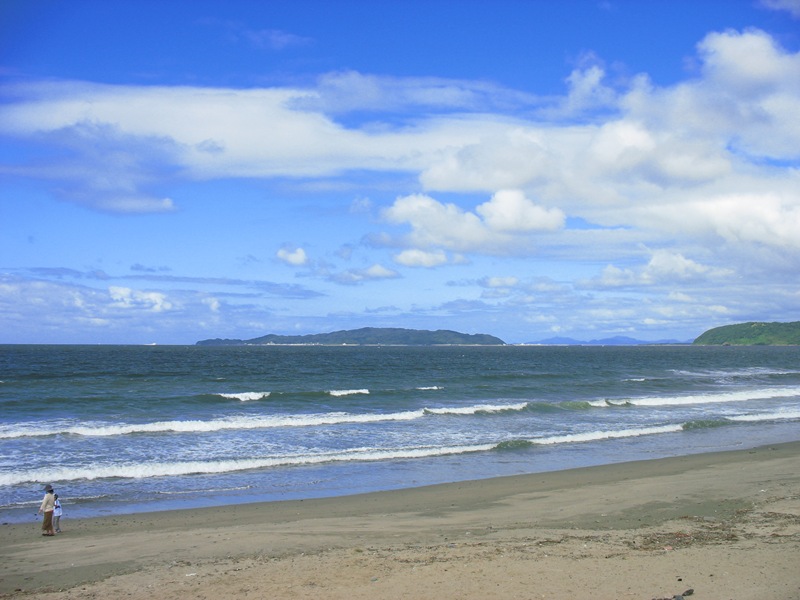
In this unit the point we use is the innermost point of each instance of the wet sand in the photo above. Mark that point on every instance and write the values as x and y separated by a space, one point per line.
725 525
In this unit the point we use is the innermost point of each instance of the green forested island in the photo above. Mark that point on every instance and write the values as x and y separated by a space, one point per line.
368 336
752 334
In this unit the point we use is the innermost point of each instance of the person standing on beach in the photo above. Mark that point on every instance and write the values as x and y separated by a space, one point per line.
56 513
47 507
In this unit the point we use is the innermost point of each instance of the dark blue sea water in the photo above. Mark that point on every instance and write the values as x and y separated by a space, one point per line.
120 429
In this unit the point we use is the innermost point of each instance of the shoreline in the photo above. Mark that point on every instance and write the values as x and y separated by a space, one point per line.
738 508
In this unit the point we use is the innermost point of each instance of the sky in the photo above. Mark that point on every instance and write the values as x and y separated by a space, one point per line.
172 171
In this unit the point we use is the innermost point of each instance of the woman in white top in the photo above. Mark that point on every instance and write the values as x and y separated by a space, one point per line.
47 507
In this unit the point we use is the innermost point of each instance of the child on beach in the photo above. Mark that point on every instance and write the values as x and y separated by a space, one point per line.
57 514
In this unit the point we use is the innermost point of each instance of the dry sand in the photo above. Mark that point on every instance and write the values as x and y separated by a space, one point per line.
725 525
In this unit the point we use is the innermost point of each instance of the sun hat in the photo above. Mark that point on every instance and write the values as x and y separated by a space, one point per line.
48 488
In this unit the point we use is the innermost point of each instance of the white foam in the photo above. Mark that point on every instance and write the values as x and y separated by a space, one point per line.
711 398
247 396
772 416
347 392
593 436
471 410
173 469
102 429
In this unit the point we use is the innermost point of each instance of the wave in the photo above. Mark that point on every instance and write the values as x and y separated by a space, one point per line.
514 445
246 396
249 396
705 424
59 476
586 436
194 426
477 409
104 429
781 415
594 436
706 398
743 372
237 488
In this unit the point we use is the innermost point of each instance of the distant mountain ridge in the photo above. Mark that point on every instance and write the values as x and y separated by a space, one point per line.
754 333
367 336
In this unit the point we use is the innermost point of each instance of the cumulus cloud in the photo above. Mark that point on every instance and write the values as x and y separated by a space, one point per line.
587 92
357 276
130 298
436 224
511 211
664 267
741 104
414 257
768 218
500 282
712 159
296 257
213 304
501 225
664 152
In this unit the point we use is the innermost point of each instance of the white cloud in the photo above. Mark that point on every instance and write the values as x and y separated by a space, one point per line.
744 100
296 257
587 92
759 218
500 282
217 132
668 266
501 225
346 91
665 267
138 204
414 257
372 273
437 224
213 304
130 298
652 149
791 6
706 169
511 211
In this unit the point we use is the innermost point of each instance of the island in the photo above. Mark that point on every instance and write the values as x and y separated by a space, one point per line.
367 336
752 334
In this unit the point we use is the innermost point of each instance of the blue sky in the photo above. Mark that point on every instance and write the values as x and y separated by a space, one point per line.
175 171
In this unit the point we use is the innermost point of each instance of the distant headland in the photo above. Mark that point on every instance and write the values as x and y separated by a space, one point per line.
752 334
367 336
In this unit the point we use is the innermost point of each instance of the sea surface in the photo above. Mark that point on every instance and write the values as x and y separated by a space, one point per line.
124 429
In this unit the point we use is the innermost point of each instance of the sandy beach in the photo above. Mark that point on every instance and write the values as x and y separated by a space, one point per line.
724 525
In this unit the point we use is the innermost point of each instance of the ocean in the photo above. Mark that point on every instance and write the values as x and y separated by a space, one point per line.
125 429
